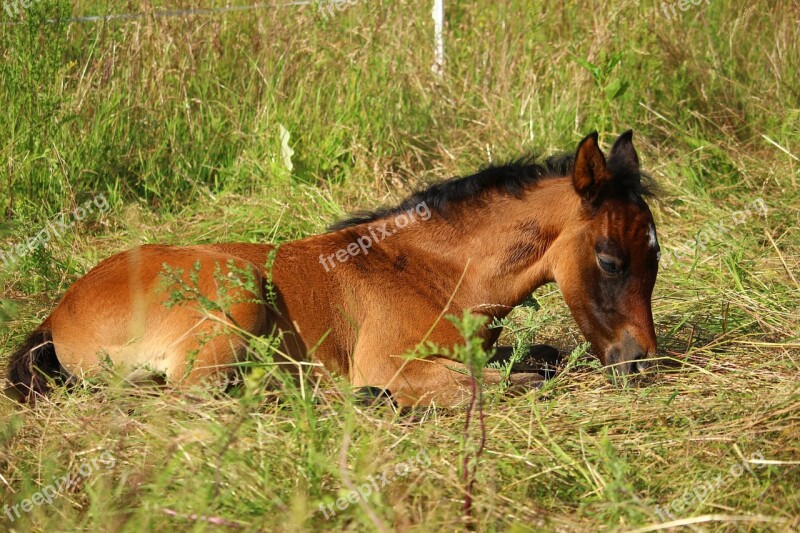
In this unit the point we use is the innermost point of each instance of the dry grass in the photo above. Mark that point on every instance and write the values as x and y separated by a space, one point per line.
176 121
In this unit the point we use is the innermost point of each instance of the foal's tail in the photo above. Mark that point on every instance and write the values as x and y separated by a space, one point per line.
34 366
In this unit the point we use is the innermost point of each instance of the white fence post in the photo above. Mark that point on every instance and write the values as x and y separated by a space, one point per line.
438 37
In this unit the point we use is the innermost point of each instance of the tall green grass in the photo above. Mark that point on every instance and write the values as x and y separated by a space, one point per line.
178 122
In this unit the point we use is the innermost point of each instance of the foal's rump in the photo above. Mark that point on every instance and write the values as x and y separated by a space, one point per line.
175 311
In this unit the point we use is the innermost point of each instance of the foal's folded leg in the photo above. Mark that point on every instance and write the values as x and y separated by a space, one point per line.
436 380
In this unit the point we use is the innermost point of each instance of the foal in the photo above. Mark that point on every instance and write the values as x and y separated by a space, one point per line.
359 298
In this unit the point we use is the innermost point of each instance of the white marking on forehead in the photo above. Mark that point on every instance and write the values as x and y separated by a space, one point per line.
651 233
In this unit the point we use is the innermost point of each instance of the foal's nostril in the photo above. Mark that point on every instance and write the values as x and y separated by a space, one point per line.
640 362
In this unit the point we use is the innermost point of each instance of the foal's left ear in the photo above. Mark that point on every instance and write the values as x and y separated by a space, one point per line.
623 158
590 172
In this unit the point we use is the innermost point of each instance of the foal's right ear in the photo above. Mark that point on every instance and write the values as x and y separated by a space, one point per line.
623 158
590 171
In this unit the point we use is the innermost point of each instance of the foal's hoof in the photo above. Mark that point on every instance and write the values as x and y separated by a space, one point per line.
541 358
523 382
13 394
370 396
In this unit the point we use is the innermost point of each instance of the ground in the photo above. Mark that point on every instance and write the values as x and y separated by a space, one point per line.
266 125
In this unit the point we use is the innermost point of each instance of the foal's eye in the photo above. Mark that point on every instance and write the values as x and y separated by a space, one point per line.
609 264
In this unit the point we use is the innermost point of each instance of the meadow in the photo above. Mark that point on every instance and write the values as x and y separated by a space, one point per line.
266 125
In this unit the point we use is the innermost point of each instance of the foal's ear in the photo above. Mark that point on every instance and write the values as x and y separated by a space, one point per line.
623 158
590 172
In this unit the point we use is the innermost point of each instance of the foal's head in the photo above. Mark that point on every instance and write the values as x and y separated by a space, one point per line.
609 256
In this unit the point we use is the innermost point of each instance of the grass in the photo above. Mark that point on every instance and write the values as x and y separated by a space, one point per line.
177 122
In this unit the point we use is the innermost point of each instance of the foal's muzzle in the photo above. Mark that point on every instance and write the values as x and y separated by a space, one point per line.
628 356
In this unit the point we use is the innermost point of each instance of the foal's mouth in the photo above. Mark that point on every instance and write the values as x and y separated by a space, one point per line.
628 357
631 371
628 368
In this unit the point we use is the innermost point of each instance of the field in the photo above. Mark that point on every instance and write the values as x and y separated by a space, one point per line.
267 125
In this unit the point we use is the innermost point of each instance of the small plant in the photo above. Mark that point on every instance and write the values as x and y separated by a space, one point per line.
473 355
524 335
611 83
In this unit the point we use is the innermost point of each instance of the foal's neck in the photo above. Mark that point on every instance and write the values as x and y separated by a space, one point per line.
498 251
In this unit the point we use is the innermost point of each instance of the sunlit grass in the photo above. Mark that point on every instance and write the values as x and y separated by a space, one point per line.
178 121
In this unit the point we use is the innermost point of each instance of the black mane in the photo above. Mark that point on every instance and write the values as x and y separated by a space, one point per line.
510 179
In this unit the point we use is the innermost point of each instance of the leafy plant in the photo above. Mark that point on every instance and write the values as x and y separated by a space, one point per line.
611 83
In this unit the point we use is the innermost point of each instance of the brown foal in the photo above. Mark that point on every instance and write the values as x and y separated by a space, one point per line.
360 298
